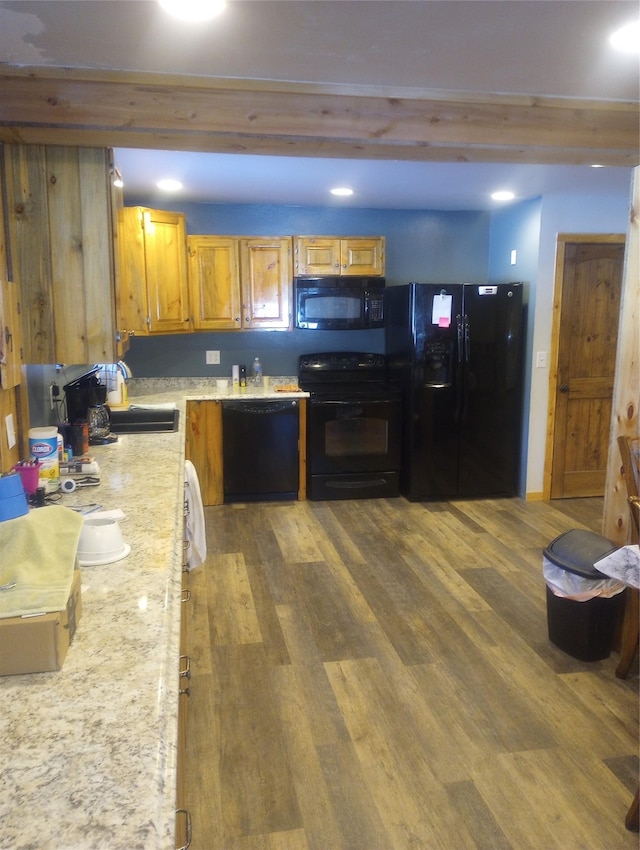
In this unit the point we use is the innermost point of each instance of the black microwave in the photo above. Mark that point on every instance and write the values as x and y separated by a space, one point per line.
339 303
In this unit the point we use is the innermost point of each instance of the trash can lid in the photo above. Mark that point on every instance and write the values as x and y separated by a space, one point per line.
576 551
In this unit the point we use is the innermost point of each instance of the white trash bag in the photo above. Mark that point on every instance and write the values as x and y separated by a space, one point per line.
563 583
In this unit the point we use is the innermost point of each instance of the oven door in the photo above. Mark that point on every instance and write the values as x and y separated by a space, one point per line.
353 447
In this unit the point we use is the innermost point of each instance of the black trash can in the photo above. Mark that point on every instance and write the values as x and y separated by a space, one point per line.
582 629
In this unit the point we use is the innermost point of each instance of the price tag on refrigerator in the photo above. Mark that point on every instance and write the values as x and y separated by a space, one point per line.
441 313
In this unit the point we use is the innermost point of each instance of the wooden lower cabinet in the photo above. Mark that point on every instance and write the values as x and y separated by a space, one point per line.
203 447
183 817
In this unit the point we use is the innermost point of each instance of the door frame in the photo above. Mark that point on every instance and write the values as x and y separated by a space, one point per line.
562 240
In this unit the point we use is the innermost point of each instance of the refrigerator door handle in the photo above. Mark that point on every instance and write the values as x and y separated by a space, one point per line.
467 340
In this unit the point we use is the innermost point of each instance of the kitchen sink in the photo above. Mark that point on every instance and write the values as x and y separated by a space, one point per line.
144 420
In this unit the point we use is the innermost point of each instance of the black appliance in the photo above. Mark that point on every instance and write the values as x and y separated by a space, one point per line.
85 399
339 303
354 426
260 450
458 353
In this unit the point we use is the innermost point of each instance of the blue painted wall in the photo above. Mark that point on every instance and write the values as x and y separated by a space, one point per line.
420 245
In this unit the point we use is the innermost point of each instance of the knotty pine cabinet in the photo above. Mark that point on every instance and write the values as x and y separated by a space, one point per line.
59 205
203 447
334 255
153 296
11 347
240 283
183 817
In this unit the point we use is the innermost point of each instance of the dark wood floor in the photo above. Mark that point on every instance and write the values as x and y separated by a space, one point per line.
377 676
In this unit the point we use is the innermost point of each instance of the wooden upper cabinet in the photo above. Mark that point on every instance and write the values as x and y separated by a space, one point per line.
332 255
214 282
59 212
266 272
362 256
153 296
11 346
317 255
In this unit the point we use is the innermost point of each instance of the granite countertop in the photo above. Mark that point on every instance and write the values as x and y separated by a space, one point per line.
88 753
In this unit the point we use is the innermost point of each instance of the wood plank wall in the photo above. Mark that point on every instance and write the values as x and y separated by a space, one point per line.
626 390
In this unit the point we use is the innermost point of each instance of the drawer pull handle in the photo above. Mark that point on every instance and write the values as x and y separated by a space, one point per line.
187 815
185 667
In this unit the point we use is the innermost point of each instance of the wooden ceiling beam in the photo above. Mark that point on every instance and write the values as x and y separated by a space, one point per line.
117 109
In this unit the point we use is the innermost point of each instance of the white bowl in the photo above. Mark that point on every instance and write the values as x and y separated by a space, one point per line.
100 538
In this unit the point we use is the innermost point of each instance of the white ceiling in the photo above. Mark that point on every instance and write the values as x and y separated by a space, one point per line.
537 47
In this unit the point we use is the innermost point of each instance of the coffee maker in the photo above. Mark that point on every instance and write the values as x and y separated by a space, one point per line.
85 398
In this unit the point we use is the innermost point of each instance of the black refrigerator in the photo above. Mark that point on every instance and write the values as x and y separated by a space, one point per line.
457 351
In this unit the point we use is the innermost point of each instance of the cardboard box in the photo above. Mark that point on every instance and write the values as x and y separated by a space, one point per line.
39 643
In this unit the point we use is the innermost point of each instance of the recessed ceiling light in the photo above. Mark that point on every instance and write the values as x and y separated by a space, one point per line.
502 195
342 191
597 165
627 38
169 185
193 10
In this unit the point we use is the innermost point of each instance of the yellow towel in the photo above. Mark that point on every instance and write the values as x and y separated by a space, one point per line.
38 553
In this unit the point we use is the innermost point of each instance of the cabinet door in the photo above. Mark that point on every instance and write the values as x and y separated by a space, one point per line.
266 271
361 256
132 303
165 256
317 255
203 447
11 350
214 282
59 219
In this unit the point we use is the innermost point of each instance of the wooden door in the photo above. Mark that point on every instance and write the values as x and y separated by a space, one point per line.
214 282
588 296
360 256
317 255
266 272
165 254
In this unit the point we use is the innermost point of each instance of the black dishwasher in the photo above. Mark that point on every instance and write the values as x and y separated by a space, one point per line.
260 450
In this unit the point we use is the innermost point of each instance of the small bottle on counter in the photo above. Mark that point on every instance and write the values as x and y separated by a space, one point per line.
257 372
243 376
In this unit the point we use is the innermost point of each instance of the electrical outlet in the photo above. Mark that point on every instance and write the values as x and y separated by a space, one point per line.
541 360
212 358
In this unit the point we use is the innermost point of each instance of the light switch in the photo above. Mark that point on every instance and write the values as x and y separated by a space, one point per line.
541 360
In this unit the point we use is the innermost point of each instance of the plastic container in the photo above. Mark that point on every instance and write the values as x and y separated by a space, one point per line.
582 607
30 474
43 446
256 372
243 376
